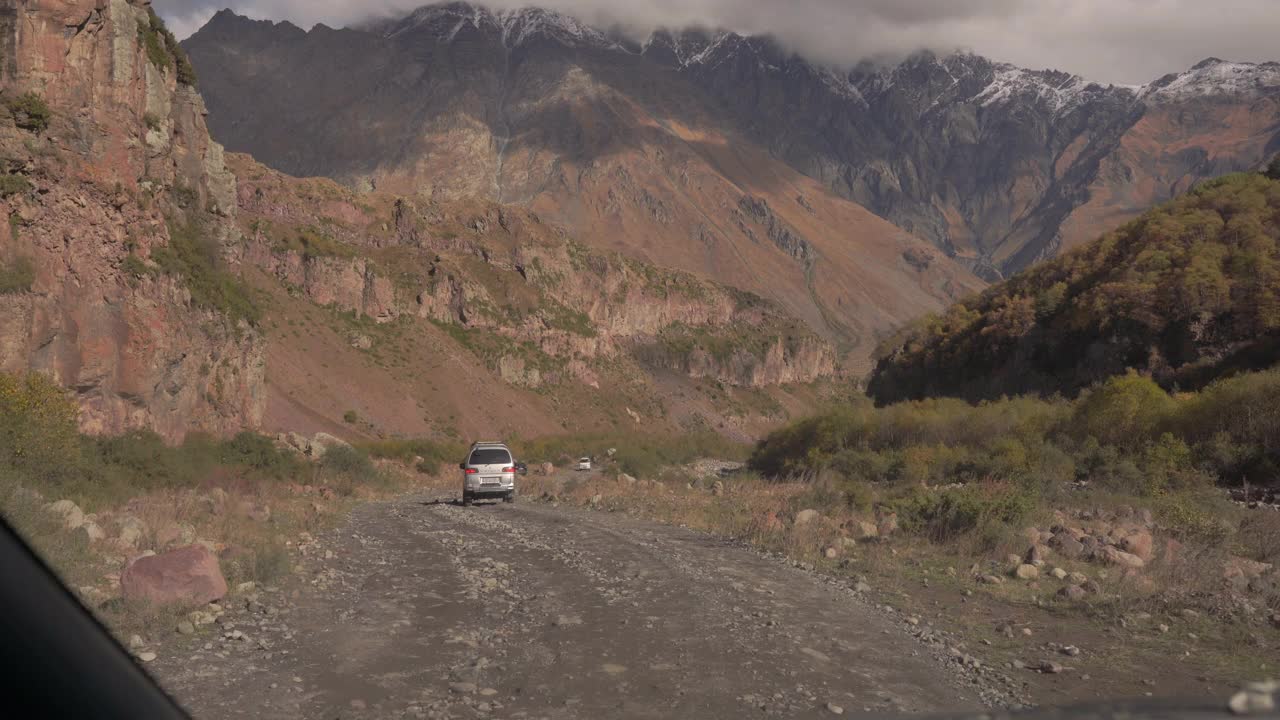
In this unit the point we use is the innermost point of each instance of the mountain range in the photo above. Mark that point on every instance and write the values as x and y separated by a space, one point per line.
996 165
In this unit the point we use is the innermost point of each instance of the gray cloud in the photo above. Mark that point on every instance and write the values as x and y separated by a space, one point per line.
1120 41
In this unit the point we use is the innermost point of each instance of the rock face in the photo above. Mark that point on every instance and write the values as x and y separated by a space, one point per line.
504 272
123 159
997 165
189 575
623 153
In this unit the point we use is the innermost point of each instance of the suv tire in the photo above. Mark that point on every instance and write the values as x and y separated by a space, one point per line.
509 497
466 498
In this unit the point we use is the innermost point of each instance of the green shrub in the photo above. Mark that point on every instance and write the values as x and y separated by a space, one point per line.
350 417
17 275
258 452
11 184
944 515
38 433
29 112
163 49
346 467
1124 411
196 258
434 454
135 267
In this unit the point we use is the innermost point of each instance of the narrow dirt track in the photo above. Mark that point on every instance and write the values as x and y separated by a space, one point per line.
428 609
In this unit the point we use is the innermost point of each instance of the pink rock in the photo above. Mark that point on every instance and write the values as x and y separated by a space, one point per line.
1139 543
1121 558
188 575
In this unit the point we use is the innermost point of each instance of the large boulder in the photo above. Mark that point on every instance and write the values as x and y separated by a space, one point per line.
188 575
321 442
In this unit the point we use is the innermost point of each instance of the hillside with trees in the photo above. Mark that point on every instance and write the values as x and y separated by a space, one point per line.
1187 293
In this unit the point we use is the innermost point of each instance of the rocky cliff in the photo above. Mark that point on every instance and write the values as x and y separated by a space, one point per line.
536 305
996 165
119 207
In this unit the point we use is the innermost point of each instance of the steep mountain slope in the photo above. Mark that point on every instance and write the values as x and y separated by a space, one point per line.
997 165
467 317
533 109
118 203
1187 293
1000 165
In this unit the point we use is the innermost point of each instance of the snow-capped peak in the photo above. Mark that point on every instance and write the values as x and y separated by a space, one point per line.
1058 91
1214 77
516 27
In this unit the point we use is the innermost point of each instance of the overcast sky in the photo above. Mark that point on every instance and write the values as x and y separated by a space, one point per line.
1118 41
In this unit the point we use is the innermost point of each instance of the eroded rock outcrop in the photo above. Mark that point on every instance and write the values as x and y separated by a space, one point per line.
116 161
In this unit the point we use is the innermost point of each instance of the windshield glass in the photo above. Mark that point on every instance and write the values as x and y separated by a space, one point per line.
925 355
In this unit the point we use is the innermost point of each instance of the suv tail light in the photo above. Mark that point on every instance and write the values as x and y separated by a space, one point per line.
508 469
472 471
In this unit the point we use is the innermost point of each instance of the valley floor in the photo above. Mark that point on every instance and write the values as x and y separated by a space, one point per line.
419 607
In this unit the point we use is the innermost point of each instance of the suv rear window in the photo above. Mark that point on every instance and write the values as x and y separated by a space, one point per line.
489 456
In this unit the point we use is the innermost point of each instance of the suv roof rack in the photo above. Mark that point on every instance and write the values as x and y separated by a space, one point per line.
487 442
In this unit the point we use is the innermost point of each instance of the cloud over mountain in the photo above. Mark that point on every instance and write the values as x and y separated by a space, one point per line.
1119 41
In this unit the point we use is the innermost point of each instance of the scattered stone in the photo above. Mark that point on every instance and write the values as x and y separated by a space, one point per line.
627 479
186 627
613 668
717 488
135 642
1026 572
1069 650
1077 578
1118 557
547 468
865 530
806 516
90 533
887 524
462 688
1139 543
834 709
1255 699
132 531
71 515
991 579
1036 555
186 575
1073 593
488 692
831 553
1049 668
146 657
1058 573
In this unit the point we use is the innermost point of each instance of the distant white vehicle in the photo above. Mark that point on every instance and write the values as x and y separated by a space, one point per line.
584 463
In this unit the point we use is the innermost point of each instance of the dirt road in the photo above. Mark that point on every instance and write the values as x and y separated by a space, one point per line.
422 608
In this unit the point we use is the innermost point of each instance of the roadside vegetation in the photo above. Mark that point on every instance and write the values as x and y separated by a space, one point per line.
252 500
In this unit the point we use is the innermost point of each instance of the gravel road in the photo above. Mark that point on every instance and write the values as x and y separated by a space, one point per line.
422 608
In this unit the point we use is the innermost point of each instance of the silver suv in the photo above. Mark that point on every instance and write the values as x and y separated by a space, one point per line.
489 471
